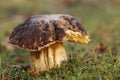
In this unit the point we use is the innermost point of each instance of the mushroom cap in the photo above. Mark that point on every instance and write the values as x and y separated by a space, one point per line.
41 31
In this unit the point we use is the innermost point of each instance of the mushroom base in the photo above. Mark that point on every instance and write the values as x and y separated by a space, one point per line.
48 57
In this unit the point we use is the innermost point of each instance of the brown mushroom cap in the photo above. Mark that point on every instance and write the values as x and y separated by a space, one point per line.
41 31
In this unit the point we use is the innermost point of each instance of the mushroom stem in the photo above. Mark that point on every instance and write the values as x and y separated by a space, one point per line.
48 57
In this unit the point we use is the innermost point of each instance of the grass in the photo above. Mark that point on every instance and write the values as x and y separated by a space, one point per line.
91 61
96 67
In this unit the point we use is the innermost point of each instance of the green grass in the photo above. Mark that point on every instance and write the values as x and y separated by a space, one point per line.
95 67
87 61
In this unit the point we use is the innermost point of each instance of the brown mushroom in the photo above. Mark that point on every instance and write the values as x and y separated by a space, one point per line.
43 36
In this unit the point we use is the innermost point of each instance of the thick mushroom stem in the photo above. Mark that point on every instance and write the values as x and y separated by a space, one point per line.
48 57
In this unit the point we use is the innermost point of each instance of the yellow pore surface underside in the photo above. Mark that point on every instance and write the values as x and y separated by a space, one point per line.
77 37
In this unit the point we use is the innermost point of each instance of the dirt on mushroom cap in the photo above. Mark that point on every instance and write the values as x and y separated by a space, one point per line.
41 31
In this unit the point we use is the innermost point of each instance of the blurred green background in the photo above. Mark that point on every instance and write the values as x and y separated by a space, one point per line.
101 18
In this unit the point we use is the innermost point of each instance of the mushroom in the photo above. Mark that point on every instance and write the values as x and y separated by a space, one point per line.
43 36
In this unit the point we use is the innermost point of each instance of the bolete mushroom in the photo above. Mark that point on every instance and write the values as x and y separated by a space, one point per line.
43 36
